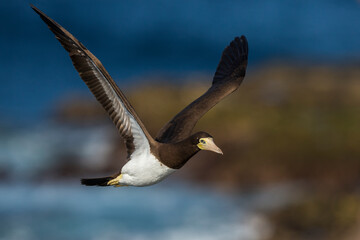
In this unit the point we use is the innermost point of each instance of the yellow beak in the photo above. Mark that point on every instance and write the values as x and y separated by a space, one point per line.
209 145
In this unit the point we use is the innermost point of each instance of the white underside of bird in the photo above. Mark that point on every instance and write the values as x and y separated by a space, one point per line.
143 168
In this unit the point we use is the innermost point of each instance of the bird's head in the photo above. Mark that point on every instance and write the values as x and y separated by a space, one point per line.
205 141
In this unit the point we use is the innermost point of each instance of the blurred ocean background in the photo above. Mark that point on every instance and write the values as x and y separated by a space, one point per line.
290 134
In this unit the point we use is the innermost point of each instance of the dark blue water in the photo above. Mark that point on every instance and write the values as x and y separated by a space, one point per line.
137 38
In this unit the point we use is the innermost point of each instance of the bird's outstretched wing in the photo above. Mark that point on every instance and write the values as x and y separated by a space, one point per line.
103 87
228 77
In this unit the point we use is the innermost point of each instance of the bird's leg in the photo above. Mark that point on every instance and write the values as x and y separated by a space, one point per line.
115 182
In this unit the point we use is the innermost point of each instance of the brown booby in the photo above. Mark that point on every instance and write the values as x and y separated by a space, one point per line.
151 160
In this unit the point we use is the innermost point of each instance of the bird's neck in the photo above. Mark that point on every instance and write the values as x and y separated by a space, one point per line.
177 154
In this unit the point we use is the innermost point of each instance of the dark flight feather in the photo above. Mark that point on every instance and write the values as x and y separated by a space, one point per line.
228 77
99 82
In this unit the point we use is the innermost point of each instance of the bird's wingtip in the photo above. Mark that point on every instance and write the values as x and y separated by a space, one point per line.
37 10
233 61
33 7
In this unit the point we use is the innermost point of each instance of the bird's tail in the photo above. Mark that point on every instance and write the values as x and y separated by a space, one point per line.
103 182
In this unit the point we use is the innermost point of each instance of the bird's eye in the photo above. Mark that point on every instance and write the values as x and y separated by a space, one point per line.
202 141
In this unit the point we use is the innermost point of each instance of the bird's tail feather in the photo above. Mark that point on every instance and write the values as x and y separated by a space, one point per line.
103 182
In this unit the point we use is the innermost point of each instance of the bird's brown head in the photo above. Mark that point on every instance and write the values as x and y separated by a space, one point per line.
205 141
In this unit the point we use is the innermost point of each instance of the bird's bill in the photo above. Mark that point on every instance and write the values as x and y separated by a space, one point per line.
210 146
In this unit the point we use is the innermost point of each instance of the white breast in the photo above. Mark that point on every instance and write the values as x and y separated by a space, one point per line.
144 169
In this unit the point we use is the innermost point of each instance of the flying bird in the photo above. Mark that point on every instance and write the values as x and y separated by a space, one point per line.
150 160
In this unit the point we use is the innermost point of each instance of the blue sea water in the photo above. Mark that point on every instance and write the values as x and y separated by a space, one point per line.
171 38
65 211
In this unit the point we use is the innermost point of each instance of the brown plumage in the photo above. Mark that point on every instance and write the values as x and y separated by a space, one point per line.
228 77
174 145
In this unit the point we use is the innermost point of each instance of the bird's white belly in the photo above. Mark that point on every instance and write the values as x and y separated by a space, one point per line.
143 170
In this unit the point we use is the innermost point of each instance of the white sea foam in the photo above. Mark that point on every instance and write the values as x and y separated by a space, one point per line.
26 152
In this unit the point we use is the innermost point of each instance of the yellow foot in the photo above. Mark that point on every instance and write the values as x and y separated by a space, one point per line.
120 185
115 181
